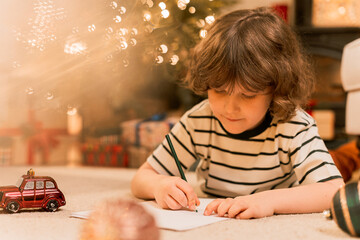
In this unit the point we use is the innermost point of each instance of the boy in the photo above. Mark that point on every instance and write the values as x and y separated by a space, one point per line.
255 144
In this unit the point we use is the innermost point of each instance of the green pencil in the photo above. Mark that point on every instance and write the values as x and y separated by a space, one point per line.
176 159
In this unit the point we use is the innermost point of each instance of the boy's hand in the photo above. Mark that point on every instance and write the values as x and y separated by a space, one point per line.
175 193
243 207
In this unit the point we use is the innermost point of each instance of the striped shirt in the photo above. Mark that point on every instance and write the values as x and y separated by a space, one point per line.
273 155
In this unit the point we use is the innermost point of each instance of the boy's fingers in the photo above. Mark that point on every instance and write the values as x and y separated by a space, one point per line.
197 201
172 203
247 214
193 203
236 209
179 196
189 192
223 208
212 207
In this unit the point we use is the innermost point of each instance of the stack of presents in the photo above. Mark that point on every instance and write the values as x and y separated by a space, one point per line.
131 145
105 150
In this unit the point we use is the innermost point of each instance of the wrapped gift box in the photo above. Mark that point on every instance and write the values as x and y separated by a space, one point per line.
137 155
147 133
104 155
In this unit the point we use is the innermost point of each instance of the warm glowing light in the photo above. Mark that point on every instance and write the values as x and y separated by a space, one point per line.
123 45
71 111
163 48
200 23
181 5
134 31
125 62
342 10
74 122
91 28
123 31
150 3
147 17
203 33
109 30
29 90
210 19
45 15
174 59
117 19
49 96
192 10
162 5
75 48
165 13
159 59
122 10
336 13
32 42
133 41
113 5
53 37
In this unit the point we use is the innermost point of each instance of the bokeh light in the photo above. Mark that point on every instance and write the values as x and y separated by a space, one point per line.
75 53
165 13
203 33
162 5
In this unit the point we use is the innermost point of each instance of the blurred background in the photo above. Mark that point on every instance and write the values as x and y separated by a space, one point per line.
97 82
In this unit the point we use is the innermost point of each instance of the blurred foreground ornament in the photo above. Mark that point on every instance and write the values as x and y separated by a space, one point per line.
120 220
345 208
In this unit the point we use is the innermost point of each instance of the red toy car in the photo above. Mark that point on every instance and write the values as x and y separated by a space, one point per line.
32 192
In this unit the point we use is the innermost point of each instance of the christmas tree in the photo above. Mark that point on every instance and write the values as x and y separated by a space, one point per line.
157 37
111 55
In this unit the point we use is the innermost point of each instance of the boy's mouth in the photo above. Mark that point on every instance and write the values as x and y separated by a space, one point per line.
233 119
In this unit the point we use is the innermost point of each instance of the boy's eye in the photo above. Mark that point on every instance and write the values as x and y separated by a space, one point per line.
249 96
219 91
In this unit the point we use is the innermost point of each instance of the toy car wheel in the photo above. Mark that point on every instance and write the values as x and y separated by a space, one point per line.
13 207
52 205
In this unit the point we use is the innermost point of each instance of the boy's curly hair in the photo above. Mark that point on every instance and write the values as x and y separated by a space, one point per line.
255 49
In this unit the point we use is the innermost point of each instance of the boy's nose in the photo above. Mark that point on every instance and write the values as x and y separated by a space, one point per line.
232 105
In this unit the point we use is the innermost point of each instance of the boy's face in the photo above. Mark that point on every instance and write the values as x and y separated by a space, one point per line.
241 110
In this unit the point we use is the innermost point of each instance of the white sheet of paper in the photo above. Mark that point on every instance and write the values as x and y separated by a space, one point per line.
82 215
181 220
178 220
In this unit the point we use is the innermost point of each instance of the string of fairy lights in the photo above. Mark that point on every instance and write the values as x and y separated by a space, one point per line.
154 17
154 14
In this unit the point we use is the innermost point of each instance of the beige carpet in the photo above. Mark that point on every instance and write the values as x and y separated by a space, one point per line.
84 187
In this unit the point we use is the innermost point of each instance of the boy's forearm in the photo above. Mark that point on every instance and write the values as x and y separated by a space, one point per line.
303 199
144 181
141 185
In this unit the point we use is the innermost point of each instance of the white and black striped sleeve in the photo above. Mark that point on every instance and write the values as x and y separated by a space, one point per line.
181 137
310 158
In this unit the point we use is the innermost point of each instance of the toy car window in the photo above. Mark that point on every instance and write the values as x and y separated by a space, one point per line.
50 184
19 182
29 185
40 185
